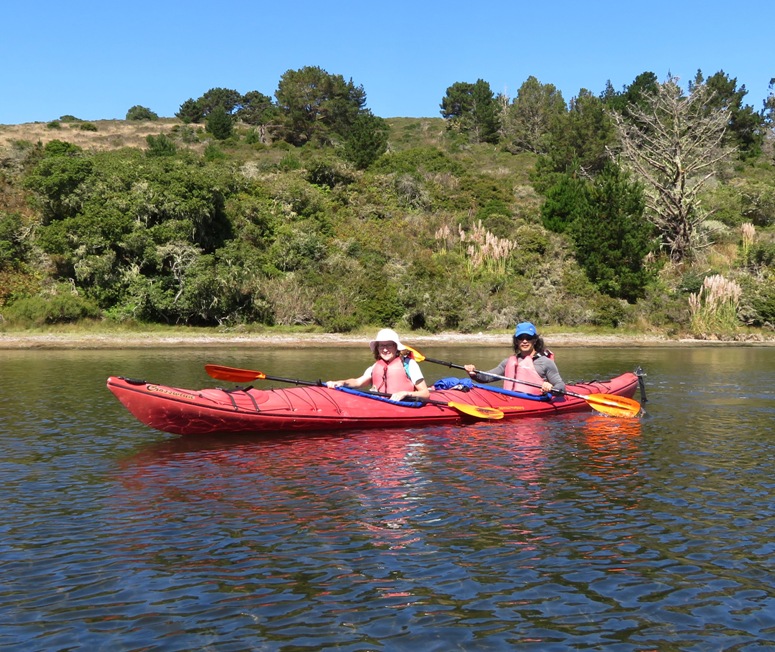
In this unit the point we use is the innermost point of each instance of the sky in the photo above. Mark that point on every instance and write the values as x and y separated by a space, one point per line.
96 59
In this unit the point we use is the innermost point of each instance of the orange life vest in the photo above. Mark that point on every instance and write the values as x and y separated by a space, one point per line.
522 369
391 377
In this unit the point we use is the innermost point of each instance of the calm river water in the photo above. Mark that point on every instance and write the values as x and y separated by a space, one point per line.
578 533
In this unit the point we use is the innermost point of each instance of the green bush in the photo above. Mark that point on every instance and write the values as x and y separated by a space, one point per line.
160 145
609 312
60 308
138 112
757 304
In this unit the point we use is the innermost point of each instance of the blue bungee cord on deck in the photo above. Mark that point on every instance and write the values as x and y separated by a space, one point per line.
466 384
385 399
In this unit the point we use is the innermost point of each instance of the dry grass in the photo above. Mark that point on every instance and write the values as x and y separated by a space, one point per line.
110 134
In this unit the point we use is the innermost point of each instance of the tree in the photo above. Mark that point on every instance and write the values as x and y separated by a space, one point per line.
317 106
578 141
526 122
644 83
226 98
219 123
746 127
472 109
257 109
190 111
367 140
674 144
138 112
769 105
611 235
57 180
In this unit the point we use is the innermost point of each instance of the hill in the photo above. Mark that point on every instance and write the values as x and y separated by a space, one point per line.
439 234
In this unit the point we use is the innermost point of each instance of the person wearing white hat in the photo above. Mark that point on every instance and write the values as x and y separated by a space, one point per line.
394 371
531 362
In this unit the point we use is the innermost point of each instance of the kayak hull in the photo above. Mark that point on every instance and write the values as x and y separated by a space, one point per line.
248 410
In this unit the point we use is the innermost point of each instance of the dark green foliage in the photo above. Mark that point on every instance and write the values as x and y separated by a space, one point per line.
63 307
746 127
190 111
566 201
473 110
61 148
225 98
219 123
161 145
528 120
613 238
257 109
366 141
11 243
577 140
138 112
759 255
213 153
634 94
57 178
87 126
316 106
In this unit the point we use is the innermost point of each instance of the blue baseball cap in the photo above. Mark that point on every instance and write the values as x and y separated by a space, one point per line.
525 328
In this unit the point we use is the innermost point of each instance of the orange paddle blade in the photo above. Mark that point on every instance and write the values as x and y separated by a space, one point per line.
616 406
233 374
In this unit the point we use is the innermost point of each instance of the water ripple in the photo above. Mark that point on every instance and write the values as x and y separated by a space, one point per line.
579 533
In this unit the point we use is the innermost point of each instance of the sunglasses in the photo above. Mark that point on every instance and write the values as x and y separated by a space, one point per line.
524 338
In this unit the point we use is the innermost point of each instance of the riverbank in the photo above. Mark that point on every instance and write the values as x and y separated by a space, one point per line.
155 339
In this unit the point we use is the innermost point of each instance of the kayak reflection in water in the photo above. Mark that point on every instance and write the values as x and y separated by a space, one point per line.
531 362
395 371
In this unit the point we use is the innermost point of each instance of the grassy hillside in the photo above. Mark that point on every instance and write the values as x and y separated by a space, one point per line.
439 234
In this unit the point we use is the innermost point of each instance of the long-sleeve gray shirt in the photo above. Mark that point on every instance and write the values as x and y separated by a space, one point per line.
545 367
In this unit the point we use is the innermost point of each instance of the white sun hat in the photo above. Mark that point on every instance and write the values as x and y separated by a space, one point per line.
386 335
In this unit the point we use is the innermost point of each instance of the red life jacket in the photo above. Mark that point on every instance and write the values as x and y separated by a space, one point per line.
391 377
522 369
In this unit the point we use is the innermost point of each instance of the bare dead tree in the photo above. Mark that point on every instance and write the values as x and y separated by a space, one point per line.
674 144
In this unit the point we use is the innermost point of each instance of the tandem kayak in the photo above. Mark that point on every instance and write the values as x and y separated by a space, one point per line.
317 408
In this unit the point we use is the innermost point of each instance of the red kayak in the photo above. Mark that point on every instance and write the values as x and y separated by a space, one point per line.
318 408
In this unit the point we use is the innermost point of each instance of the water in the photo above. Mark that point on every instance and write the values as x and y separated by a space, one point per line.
578 533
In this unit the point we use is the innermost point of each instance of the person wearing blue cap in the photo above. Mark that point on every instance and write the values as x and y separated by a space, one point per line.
531 362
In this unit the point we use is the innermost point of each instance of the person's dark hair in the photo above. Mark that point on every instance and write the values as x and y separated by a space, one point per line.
538 344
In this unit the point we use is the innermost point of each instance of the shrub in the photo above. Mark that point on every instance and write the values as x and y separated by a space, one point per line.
138 112
219 123
160 145
60 308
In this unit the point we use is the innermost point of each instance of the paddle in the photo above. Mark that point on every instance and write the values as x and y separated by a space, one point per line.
618 406
236 375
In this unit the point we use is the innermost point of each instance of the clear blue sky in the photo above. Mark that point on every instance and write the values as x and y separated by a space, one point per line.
96 59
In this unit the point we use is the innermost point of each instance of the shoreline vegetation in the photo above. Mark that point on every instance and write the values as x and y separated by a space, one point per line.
192 338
